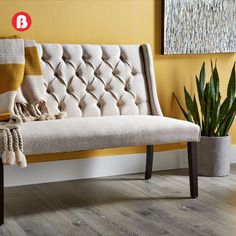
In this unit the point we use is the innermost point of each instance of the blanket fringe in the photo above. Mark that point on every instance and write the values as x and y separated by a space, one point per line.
38 111
28 97
18 148
13 148
13 143
8 157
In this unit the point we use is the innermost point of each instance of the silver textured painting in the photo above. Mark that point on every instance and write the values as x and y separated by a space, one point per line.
199 26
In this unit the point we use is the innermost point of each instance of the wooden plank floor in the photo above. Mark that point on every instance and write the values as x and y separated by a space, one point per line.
123 205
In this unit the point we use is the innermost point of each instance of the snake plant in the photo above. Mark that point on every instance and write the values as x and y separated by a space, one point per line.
207 109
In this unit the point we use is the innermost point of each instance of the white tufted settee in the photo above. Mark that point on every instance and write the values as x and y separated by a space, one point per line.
109 94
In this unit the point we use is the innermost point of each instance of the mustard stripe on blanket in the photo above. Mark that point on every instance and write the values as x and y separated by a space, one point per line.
22 94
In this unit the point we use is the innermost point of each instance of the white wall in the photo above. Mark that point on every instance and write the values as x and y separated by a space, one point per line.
95 167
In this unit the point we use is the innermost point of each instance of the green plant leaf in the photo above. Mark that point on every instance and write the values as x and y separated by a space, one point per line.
224 109
212 91
228 123
182 109
196 112
231 86
190 117
212 68
215 76
208 108
200 95
214 117
190 106
202 77
230 113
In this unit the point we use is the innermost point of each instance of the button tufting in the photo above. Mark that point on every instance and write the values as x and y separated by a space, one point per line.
115 72
107 88
137 102
80 107
85 57
119 103
123 57
97 73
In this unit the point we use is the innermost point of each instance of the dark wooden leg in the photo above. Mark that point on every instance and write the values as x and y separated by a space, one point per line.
1 193
192 163
149 161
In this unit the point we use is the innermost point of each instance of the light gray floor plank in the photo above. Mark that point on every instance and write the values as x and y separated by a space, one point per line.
123 205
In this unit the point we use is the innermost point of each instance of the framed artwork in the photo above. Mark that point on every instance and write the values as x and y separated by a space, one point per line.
199 26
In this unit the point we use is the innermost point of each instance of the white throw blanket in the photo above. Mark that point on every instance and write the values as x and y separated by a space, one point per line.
22 94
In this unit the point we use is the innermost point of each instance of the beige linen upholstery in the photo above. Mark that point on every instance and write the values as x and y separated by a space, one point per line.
109 94
102 132
93 80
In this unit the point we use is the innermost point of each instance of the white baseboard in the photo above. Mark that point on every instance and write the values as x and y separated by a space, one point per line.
95 167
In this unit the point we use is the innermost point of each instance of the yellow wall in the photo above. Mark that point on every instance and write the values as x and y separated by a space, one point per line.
114 22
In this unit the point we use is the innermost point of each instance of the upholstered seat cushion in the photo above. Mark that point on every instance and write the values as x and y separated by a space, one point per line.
74 134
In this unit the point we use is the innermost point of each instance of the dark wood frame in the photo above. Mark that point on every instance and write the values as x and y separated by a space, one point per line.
192 163
193 175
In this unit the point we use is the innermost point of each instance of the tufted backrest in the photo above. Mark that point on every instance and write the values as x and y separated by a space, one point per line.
94 80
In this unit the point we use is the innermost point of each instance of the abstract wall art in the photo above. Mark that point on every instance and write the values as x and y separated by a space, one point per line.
199 26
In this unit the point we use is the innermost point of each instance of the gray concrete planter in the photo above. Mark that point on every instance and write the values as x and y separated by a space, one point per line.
213 156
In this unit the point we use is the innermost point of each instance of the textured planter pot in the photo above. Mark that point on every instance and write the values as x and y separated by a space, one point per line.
213 156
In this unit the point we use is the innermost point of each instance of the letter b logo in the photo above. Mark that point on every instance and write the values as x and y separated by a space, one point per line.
21 21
